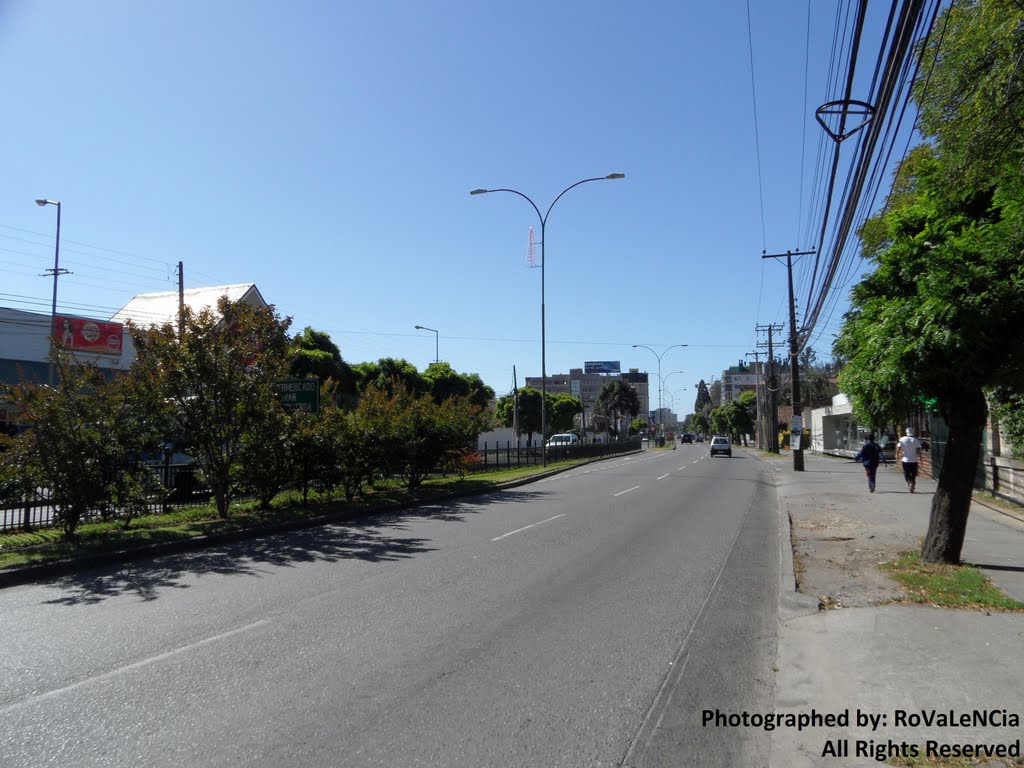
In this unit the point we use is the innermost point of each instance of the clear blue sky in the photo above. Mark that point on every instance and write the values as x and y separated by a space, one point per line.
325 150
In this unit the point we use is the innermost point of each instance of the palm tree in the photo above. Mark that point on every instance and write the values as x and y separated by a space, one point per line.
617 397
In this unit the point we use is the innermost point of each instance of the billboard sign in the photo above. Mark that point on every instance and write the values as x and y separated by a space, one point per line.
79 334
601 366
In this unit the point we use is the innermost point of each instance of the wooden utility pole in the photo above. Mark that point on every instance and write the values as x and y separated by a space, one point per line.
772 385
796 433
181 301
760 400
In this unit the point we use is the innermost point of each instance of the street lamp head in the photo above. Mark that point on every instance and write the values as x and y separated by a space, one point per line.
418 327
615 176
479 191
43 201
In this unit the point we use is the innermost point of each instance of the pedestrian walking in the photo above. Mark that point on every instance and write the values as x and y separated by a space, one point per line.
909 447
870 455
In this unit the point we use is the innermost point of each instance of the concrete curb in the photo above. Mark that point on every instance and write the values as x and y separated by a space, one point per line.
23 574
791 602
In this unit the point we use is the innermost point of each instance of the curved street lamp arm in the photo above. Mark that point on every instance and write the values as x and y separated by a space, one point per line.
527 199
673 347
572 186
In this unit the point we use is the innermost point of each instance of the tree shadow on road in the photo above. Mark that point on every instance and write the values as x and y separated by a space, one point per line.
374 538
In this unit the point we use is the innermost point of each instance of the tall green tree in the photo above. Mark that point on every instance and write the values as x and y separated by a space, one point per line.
528 407
562 412
702 402
312 353
718 420
970 94
219 379
939 318
390 375
446 382
742 415
616 399
86 445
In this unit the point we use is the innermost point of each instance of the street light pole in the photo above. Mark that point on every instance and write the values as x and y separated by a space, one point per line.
660 387
57 272
543 263
672 398
437 359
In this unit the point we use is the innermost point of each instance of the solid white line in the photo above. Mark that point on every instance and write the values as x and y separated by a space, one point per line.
664 476
626 491
138 664
525 527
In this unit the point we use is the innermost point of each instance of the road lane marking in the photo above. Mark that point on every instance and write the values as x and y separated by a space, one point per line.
665 475
136 665
525 527
626 491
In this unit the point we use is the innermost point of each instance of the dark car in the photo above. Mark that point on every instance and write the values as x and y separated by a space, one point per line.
686 437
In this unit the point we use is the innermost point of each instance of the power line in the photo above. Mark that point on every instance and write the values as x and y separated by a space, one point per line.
757 139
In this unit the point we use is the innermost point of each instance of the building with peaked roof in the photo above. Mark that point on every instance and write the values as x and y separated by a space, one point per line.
148 309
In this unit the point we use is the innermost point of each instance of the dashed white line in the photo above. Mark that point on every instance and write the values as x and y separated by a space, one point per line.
525 527
139 664
665 475
626 491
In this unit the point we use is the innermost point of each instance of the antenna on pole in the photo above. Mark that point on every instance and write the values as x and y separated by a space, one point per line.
530 252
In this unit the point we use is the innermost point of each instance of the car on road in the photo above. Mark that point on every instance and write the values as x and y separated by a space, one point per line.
721 445
686 437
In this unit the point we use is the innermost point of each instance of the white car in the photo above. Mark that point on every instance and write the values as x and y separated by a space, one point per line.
564 440
721 445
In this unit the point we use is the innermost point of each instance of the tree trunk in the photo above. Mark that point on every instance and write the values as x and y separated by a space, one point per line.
965 415
220 497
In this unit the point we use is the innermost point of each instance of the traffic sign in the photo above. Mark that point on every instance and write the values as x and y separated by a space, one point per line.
299 394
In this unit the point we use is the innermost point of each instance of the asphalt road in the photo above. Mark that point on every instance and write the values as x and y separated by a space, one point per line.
583 620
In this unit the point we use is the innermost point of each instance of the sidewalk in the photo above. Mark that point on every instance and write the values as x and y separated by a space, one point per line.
885 660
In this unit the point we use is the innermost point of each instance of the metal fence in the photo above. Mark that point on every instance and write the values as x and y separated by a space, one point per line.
182 488
509 456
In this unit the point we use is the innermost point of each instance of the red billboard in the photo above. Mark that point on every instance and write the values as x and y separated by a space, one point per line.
81 335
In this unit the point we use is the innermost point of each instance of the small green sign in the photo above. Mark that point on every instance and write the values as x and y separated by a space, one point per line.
299 394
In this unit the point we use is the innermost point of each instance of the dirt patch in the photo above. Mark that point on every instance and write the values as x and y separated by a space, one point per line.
836 557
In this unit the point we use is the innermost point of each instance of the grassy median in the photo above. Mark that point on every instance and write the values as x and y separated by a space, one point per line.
43 545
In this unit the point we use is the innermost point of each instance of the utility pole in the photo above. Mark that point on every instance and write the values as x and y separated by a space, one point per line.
772 385
794 362
760 400
181 301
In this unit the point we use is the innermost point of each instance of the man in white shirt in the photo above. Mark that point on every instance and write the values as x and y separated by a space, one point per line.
909 447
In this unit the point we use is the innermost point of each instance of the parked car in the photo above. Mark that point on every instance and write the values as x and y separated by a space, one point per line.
721 445
563 440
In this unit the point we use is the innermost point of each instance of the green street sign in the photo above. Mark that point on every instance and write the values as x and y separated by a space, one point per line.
299 394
